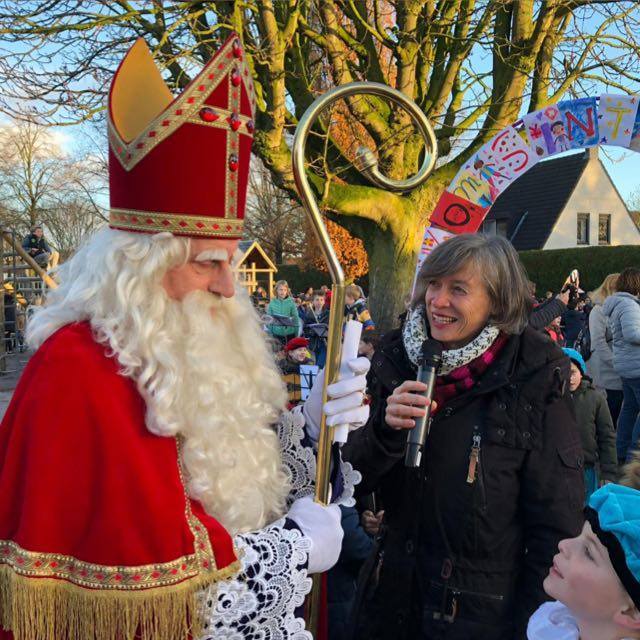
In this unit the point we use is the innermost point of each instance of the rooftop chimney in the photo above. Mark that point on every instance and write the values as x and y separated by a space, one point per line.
591 153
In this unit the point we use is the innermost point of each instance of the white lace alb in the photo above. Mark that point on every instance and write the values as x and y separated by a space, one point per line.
261 603
300 461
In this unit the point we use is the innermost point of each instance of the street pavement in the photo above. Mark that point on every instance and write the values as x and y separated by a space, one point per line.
9 378
5 397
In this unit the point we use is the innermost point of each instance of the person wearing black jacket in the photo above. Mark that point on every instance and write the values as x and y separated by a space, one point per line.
315 323
546 312
37 247
470 535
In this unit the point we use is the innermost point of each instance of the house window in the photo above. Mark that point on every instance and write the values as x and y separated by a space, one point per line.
583 228
489 227
604 228
495 228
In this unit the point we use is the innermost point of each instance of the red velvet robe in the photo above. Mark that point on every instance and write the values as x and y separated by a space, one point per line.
94 518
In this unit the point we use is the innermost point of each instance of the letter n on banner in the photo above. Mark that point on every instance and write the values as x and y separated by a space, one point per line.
457 214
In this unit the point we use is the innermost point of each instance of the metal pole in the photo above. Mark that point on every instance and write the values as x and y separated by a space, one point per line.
367 163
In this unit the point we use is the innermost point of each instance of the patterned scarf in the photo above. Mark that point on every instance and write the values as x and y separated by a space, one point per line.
460 368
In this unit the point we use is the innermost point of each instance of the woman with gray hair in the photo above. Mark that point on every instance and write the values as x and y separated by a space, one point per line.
470 535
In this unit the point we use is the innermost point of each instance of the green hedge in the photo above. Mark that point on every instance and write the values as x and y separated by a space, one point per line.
548 269
301 280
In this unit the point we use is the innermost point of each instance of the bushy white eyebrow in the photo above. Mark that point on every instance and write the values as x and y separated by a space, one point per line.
210 255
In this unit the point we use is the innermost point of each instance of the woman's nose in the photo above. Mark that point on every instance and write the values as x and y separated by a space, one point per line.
440 299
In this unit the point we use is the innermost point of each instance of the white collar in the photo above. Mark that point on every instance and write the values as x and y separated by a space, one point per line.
553 621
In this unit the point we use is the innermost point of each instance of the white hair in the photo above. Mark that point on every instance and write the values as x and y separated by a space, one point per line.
202 366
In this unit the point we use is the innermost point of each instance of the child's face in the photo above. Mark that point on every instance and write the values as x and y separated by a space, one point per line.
576 377
365 349
299 354
583 579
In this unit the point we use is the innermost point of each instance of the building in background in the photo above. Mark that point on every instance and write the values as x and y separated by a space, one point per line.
563 203
255 268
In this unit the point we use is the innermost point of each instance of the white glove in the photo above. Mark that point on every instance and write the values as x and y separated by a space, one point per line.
322 526
346 404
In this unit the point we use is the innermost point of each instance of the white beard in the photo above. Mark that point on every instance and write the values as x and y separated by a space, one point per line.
202 366
215 384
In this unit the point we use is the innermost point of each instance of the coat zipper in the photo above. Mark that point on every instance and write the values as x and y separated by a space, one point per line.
474 457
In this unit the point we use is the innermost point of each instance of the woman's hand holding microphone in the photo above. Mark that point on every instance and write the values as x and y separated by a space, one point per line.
405 404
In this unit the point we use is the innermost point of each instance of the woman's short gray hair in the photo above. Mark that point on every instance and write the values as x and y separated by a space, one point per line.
500 268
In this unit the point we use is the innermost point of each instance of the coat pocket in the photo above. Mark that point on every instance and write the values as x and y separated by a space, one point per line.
572 466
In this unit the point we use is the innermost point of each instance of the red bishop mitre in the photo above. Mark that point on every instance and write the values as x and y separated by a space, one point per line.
181 164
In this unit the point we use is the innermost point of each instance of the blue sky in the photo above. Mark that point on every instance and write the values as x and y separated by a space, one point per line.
624 168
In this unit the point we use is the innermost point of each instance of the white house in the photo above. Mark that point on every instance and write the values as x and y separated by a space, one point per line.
563 203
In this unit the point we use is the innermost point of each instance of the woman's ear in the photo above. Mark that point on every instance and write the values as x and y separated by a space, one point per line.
628 618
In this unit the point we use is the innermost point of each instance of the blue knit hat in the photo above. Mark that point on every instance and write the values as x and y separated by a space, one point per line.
614 514
576 358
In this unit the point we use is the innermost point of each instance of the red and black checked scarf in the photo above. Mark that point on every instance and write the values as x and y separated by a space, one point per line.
463 378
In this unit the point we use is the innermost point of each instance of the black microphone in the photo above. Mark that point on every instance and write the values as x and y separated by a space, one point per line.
427 372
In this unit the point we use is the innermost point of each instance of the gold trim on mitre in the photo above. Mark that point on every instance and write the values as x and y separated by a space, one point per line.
175 223
149 125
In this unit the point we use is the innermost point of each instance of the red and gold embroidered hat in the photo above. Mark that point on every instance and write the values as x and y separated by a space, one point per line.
181 164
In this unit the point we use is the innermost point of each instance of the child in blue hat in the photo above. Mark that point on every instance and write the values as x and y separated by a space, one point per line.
595 578
595 426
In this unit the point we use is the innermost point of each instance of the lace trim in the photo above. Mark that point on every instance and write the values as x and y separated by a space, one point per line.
300 461
273 583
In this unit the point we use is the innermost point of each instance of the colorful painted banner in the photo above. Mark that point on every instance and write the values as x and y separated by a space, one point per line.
493 168
634 144
431 239
616 117
572 124
457 215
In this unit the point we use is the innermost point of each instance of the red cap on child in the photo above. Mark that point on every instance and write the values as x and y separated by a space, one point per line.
296 343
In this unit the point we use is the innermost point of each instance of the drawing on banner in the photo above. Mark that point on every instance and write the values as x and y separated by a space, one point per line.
430 240
457 215
568 125
468 186
493 168
635 134
616 117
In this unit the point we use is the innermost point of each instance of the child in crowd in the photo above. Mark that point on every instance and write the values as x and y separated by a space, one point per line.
296 353
368 344
283 310
595 426
554 331
356 307
595 578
